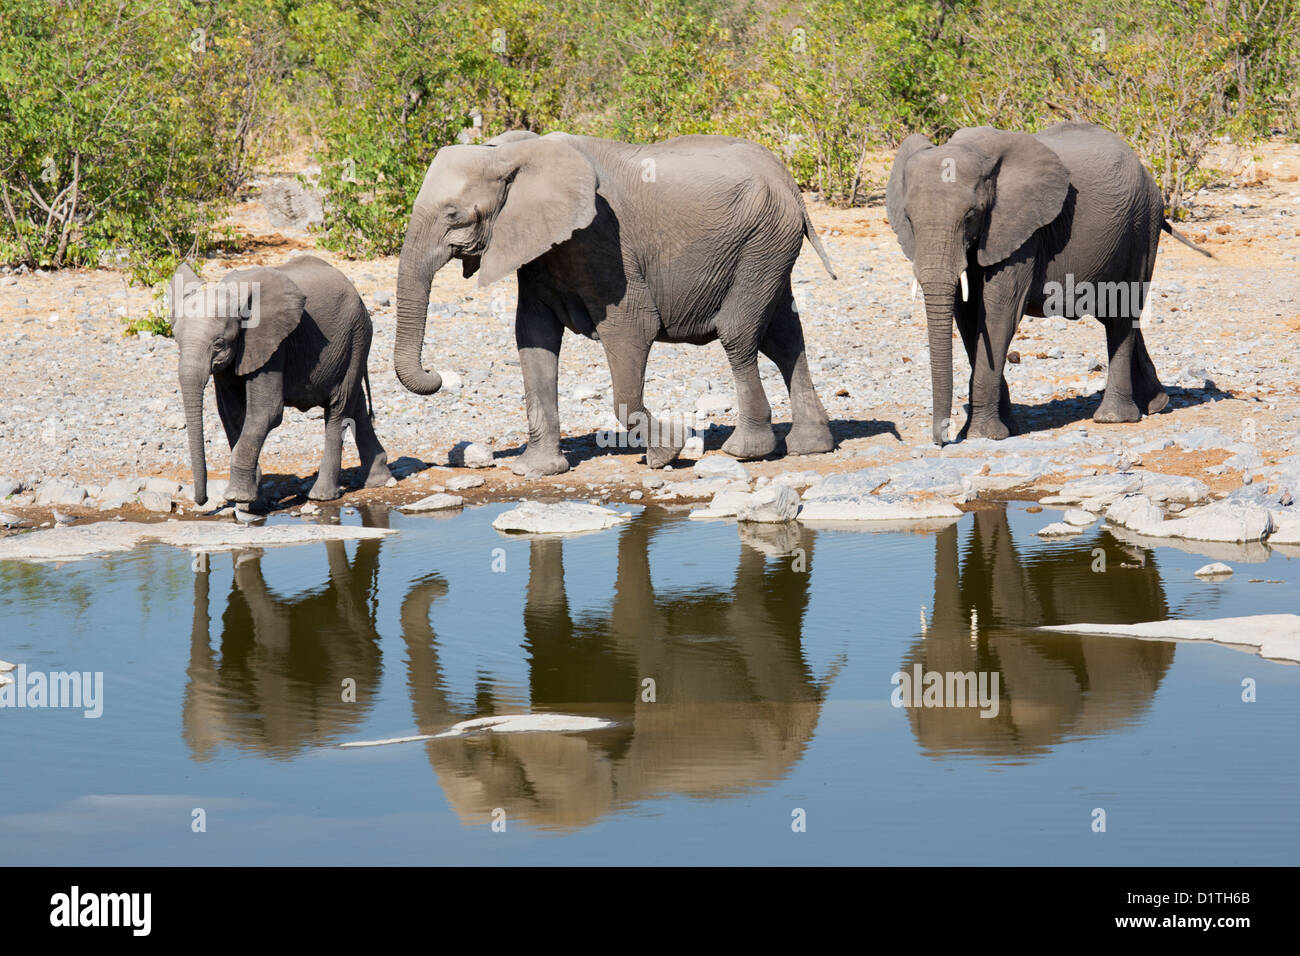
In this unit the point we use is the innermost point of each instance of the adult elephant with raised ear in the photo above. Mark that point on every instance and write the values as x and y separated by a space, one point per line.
688 240
1063 222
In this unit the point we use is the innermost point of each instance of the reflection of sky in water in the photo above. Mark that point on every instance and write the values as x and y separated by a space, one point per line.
772 686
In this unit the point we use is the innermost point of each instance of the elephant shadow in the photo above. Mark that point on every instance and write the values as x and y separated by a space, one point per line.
1053 687
277 683
732 705
579 448
1059 412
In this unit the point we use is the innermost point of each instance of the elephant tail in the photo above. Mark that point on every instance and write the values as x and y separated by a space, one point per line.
811 234
1168 227
370 399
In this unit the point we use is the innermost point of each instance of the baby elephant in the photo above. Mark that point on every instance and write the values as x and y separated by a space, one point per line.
298 335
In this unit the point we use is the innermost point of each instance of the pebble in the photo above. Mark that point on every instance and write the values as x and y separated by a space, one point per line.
465 482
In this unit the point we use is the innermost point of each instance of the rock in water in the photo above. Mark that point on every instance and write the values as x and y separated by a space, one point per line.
438 502
567 517
1216 570
771 504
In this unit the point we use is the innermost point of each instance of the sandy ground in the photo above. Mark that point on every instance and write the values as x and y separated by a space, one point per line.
83 404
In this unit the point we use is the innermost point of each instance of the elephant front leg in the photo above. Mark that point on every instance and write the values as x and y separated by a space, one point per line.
327 486
990 399
538 334
263 410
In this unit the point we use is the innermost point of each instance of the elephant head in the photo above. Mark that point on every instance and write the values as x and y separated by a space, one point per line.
494 206
234 326
984 193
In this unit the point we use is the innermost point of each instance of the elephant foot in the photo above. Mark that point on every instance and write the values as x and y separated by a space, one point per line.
809 438
1114 410
379 474
537 463
241 491
656 456
1158 403
750 441
324 492
994 429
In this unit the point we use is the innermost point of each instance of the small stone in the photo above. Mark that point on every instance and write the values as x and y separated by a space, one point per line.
636 495
156 501
770 505
1079 518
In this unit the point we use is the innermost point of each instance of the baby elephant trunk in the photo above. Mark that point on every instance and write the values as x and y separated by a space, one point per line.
194 379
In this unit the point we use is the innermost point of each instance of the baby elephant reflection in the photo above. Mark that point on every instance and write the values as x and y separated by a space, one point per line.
1053 686
281 681
732 705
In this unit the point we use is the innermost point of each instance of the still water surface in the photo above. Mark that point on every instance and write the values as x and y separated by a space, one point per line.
771 650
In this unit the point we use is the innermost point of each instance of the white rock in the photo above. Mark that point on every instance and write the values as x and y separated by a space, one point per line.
1216 570
156 501
771 504
1079 518
1109 486
876 508
465 482
472 455
694 447
1058 529
1137 513
106 537
1275 636
438 502
566 517
798 480
725 504
721 466
699 488
1286 530
6 666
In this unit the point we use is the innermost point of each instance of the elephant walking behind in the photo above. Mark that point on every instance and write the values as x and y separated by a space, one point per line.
1062 222
297 334
688 240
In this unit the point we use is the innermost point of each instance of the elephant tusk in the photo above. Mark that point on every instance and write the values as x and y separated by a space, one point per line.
914 287
965 291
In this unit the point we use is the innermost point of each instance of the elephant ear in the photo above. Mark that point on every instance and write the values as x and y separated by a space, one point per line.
896 192
1030 188
272 305
550 193
184 283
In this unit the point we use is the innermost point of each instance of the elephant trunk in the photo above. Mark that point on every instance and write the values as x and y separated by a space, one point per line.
194 379
939 317
415 272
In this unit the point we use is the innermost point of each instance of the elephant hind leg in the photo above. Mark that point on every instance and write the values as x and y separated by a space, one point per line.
374 460
327 486
1149 394
810 431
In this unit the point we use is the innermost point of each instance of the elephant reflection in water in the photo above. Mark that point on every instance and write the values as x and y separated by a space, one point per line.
735 701
1053 686
277 684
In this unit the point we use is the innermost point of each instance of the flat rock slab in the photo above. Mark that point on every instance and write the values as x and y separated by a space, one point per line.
108 537
876 508
566 517
1220 521
503 724
438 502
1216 570
1274 636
